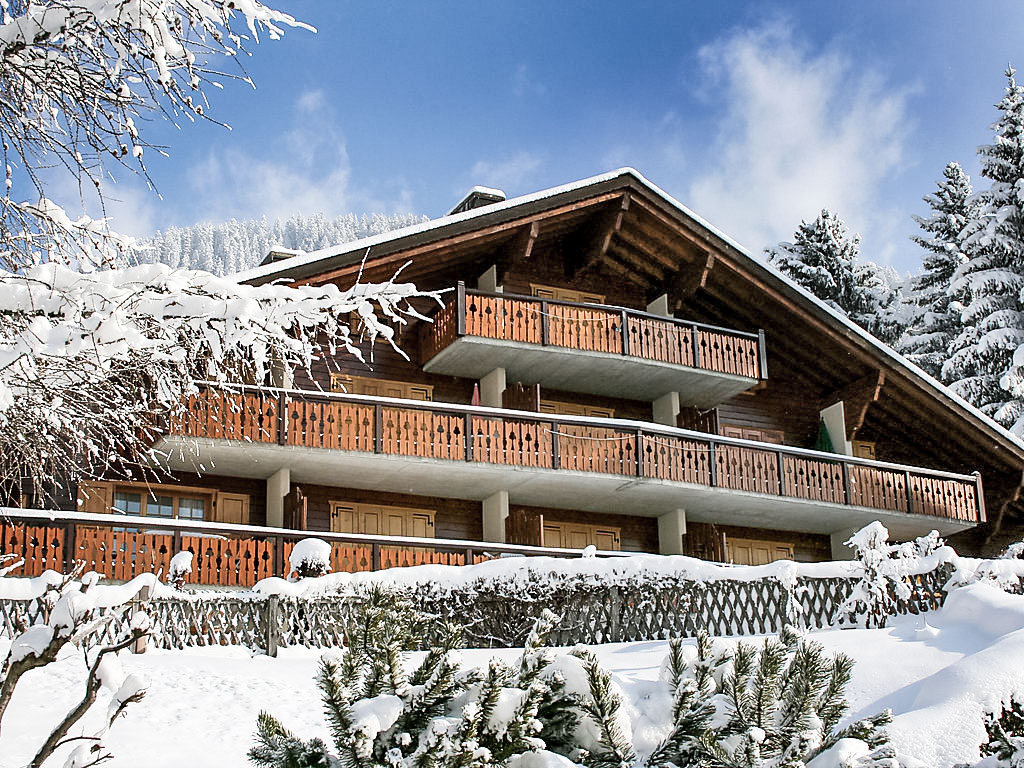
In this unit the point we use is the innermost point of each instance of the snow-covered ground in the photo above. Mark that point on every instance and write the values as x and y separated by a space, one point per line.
938 678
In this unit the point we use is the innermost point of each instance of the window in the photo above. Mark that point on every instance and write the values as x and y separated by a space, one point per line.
364 385
159 504
565 294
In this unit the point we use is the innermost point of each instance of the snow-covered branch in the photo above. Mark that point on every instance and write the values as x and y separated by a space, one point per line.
90 361
79 78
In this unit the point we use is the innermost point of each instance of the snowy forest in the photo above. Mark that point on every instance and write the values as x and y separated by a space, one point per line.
961 318
235 246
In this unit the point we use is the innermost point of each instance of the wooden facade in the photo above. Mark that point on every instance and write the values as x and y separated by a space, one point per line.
610 304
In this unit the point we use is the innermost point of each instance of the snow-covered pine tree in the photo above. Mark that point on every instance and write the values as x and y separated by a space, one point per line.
1006 736
824 259
821 258
986 366
750 707
937 308
381 716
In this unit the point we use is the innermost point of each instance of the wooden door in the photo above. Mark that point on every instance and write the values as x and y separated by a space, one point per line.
232 508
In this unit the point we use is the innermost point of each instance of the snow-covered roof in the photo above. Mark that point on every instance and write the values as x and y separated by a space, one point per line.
356 250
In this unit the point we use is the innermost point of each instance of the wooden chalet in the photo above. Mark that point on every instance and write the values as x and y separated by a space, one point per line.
608 370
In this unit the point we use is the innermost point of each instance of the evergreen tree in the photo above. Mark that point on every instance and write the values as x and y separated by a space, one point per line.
778 705
821 258
824 259
937 307
982 367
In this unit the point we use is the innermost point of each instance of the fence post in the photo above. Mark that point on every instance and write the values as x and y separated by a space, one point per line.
69 547
544 330
270 639
625 333
142 597
282 419
615 617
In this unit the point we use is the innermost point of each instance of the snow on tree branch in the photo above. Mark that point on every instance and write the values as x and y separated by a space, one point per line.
78 78
90 361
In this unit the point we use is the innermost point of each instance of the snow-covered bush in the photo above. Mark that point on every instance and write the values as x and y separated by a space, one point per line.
74 614
179 569
310 559
777 705
885 568
437 716
1006 736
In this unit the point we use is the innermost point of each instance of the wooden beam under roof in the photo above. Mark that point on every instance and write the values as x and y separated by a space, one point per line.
651 274
686 281
592 248
519 249
496 230
857 396
666 252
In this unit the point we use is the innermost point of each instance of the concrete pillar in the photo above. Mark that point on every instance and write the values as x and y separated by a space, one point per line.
666 409
839 549
280 374
491 387
660 306
279 485
671 529
495 512
488 281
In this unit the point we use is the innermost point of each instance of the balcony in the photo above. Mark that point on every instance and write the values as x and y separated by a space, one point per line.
122 547
593 348
597 465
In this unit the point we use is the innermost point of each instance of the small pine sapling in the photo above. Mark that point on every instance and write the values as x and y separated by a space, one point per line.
777 705
436 716
602 707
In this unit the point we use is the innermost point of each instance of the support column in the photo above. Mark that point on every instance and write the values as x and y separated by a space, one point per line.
280 374
660 306
839 549
279 485
666 409
671 529
495 508
491 387
488 281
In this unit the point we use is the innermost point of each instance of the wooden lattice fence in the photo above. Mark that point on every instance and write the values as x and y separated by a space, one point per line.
496 616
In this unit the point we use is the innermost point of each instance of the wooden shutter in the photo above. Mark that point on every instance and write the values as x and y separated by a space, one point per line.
863 449
774 436
581 535
421 524
232 508
95 496
552 535
607 539
524 527
756 551
343 517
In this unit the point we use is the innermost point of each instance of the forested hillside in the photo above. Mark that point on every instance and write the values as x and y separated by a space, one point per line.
238 245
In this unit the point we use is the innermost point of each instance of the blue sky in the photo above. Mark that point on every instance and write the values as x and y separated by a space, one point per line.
756 115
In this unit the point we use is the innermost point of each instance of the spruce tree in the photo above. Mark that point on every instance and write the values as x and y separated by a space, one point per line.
982 367
937 307
824 259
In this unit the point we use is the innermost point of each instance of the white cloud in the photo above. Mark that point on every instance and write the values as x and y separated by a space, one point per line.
523 83
512 173
800 131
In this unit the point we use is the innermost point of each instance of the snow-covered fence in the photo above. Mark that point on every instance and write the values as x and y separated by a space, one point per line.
632 609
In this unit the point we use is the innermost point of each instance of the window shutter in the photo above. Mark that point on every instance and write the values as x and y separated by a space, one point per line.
232 508
95 496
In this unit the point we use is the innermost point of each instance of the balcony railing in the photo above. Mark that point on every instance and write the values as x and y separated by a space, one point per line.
595 328
470 434
122 547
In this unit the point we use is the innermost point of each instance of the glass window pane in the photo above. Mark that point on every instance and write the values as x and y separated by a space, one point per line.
160 506
128 503
191 509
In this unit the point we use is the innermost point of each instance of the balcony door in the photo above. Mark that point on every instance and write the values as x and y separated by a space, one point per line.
379 520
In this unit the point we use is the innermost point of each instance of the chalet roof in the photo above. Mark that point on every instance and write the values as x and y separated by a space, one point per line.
307 265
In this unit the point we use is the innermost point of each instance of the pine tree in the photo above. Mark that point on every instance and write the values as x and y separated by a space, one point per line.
824 259
1006 735
437 716
937 306
778 705
821 258
982 367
